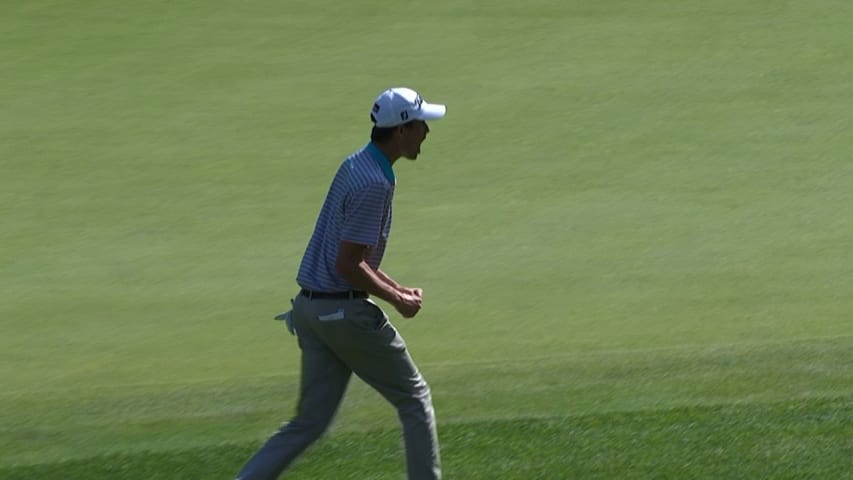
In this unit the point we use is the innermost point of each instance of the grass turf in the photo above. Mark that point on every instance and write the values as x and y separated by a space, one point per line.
797 440
630 211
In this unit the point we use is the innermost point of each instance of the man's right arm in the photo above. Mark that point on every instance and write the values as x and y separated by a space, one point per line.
352 266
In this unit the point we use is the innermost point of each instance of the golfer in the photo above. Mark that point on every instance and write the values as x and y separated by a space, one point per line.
342 331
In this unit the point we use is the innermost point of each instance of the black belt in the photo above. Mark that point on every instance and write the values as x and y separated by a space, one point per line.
311 294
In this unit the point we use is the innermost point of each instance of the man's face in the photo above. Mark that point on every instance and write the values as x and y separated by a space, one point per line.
411 137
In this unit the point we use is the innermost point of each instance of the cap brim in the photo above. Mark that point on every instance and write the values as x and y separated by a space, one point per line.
432 111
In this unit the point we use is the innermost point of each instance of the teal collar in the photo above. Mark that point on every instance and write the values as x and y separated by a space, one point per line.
383 162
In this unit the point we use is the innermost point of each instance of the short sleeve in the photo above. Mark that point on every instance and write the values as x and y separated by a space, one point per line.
364 212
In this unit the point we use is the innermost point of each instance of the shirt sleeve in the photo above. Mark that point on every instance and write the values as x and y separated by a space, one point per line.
364 212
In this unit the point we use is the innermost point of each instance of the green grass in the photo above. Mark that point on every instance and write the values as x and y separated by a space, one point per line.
783 441
633 230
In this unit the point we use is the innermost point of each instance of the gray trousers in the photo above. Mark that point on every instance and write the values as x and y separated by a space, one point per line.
337 338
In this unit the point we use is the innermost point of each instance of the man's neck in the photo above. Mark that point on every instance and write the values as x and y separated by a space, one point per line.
391 153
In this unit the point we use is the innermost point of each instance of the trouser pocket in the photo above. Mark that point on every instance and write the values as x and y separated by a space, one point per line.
368 315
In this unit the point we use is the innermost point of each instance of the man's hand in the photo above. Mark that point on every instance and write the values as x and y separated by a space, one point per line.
409 301
415 292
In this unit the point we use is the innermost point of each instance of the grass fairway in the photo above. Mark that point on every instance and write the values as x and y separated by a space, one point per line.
634 231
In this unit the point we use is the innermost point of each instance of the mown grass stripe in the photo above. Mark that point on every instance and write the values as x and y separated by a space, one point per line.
792 440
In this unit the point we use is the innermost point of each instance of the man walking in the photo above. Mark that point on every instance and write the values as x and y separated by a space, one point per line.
340 329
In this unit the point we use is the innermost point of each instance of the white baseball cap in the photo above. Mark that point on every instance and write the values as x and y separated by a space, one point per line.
397 106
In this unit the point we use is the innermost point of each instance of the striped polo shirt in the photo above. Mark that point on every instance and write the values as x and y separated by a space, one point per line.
357 209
